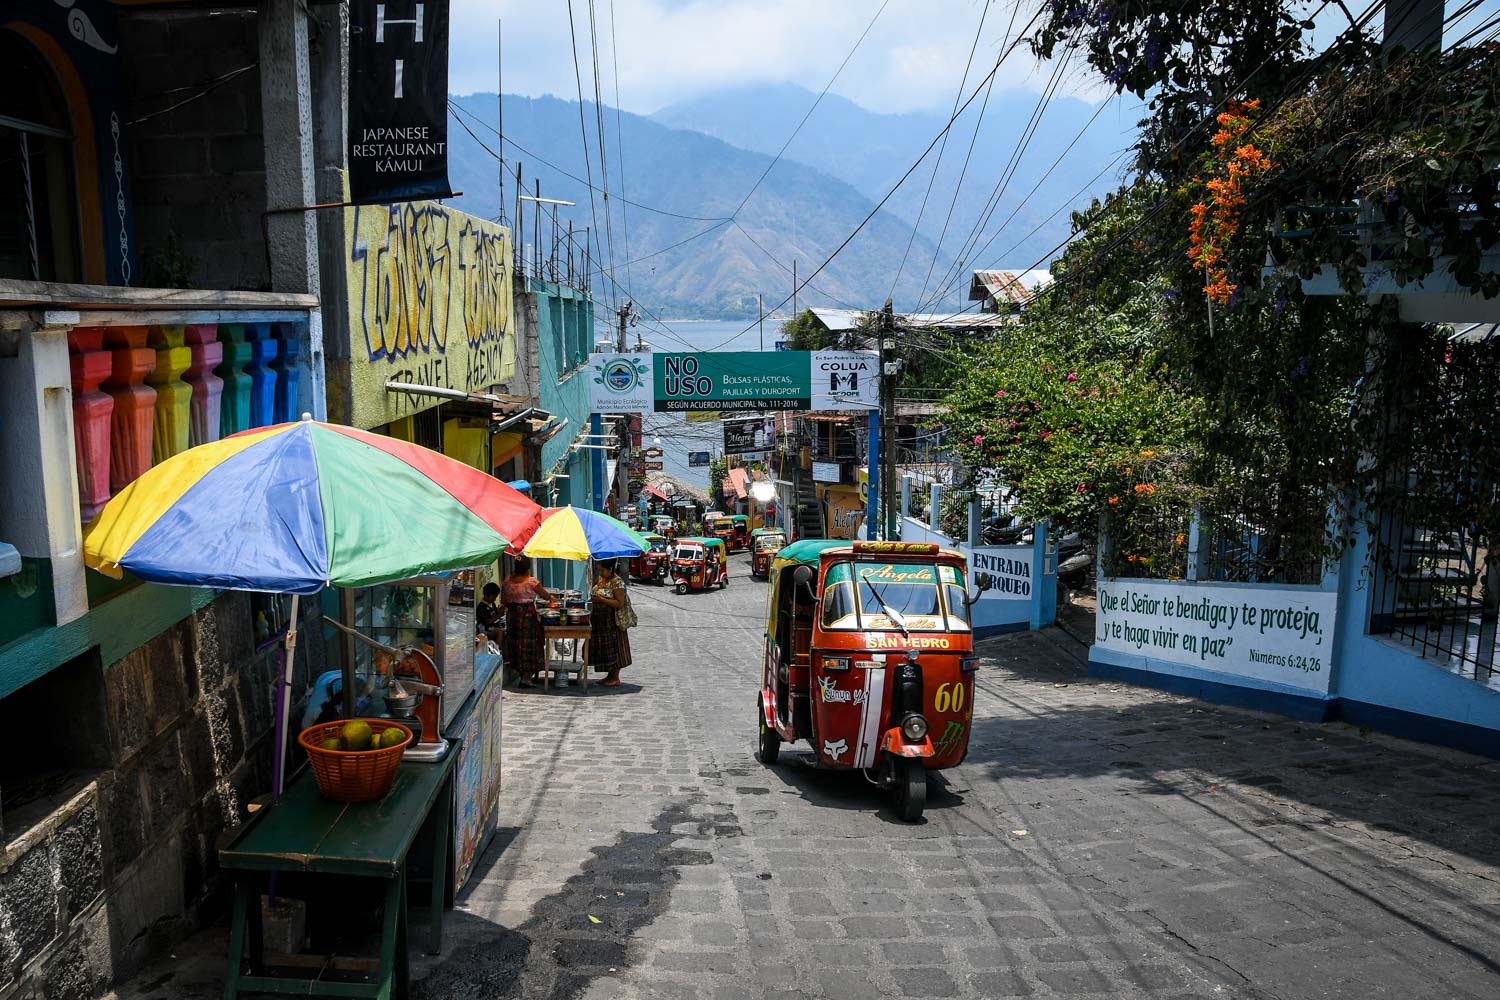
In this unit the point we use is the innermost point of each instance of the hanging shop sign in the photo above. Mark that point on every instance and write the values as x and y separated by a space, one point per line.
827 472
652 453
653 467
1280 635
745 435
698 459
735 380
398 100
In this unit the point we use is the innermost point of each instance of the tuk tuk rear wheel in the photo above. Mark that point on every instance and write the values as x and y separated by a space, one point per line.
909 787
770 739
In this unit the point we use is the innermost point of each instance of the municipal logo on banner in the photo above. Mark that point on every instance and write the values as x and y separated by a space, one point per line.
620 383
845 380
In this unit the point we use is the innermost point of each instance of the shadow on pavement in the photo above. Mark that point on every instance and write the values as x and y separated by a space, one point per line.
1318 796
843 789
560 951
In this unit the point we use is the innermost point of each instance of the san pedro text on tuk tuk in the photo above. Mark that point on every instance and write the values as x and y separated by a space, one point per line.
869 658
764 544
699 563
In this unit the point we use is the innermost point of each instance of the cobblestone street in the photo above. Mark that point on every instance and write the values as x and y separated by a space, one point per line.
1101 840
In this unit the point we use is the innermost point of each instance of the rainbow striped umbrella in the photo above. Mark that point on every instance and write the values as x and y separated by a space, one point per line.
579 534
298 507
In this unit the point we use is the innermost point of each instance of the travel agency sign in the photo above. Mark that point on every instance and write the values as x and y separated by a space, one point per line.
735 380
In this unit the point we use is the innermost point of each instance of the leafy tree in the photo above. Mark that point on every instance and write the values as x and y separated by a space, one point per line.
805 332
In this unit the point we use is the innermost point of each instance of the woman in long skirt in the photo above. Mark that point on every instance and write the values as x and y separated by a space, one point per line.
525 642
609 647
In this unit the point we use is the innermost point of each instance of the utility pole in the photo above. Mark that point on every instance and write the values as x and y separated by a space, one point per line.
794 288
500 111
760 300
627 317
889 368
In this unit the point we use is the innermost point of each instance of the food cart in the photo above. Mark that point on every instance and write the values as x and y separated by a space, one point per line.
437 614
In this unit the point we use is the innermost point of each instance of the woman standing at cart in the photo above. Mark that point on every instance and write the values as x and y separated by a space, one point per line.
525 641
609 646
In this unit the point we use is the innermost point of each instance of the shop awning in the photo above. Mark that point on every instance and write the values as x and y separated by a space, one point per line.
657 493
735 483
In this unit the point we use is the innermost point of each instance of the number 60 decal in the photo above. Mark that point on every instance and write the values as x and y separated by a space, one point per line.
949 698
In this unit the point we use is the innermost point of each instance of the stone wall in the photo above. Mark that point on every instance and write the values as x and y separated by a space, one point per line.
125 867
198 170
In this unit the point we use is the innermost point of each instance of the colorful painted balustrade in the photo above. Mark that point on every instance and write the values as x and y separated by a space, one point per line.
91 365
143 394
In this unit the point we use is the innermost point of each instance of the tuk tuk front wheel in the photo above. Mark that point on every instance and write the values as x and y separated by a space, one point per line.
770 739
681 588
908 787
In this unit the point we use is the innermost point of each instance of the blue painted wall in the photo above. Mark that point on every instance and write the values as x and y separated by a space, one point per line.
565 335
1375 681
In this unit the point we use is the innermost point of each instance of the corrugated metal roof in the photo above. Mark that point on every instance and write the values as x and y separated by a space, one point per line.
1007 288
844 320
1475 333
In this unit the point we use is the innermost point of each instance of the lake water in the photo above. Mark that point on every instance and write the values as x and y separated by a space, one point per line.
678 437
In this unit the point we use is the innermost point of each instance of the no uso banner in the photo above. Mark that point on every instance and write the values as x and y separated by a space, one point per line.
398 100
738 380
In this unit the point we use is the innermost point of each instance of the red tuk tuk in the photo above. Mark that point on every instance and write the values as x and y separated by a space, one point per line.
722 528
741 538
700 563
653 563
869 657
764 544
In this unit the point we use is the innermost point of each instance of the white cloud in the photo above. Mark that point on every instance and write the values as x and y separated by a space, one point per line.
673 49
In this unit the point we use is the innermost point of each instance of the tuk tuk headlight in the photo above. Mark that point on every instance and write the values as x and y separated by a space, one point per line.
914 727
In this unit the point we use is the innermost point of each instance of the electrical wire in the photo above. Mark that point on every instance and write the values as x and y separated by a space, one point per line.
937 163
609 224
775 159
614 54
963 173
583 133
507 140
902 180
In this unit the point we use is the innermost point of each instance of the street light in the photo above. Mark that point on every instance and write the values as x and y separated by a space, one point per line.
762 492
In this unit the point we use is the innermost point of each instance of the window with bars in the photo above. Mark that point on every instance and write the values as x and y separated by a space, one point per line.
38 204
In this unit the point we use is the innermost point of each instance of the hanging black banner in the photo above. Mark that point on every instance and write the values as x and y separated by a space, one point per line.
398 100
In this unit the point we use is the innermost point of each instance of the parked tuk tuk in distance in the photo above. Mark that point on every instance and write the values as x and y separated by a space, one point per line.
700 563
869 657
652 565
764 544
741 532
664 525
722 528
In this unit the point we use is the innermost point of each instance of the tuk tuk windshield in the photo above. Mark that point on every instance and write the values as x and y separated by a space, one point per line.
658 545
926 597
769 543
689 553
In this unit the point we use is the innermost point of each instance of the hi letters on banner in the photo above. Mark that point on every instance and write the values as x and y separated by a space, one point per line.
398 100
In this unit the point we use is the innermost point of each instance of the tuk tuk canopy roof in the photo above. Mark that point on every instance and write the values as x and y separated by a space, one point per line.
768 531
706 542
805 551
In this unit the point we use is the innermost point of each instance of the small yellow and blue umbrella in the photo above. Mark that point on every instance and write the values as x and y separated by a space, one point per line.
579 534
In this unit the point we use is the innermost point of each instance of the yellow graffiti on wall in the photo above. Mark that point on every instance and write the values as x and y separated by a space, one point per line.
430 302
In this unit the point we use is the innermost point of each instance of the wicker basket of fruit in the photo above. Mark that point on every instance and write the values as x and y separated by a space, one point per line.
355 761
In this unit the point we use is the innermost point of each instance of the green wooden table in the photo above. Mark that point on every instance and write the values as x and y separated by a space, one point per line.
304 832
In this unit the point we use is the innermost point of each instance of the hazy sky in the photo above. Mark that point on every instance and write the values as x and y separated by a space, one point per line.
674 49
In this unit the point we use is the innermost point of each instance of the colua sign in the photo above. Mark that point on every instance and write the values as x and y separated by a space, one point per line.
739 380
